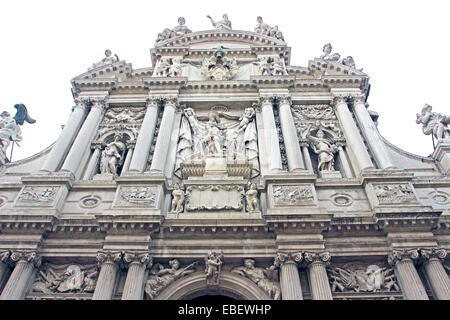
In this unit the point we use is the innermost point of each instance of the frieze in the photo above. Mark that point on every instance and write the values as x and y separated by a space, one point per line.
67 278
140 196
292 195
313 112
361 278
37 195
214 197
394 193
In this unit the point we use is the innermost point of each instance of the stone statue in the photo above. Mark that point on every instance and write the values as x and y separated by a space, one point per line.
168 67
10 129
271 66
161 277
179 30
224 24
213 267
265 29
112 156
178 198
349 62
266 279
108 59
327 48
252 198
434 123
325 148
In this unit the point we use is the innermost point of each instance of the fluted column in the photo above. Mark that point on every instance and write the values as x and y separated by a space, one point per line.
109 267
271 141
126 165
164 134
408 278
66 138
317 275
371 134
19 281
435 272
84 137
137 263
344 162
145 137
355 143
307 157
93 161
289 278
294 155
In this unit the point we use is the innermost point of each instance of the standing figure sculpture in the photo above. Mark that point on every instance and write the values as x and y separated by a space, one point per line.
327 48
325 150
251 196
434 123
181 29
213 263
224 24
112 156
178 198
266 279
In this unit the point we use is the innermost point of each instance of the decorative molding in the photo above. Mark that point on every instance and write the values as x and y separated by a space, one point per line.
90 202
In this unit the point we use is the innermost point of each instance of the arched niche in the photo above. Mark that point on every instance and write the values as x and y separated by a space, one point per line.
230 285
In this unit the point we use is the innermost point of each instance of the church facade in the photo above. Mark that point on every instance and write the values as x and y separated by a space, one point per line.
224 170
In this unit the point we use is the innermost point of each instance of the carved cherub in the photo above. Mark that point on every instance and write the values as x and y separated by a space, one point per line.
252 198
213 263
178 198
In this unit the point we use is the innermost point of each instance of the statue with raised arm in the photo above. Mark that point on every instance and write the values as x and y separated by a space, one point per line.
324 148
108 59
434 123
181 28
224 24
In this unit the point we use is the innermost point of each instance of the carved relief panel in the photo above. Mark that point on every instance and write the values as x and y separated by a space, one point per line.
391 194
292 195
37 196
138 196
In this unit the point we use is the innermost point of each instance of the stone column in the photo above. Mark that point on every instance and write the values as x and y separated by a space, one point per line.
126 165
163 139
109 266
4 260
354 141
307 157
84 137
66 138
272 145
407 276
289 277
145 137
137 265
294 155
371 134
20 280
317 274
344 162
93 161
435 272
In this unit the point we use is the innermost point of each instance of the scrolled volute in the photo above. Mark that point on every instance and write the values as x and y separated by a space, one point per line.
400 255
314 257
286 257
140 257
26 256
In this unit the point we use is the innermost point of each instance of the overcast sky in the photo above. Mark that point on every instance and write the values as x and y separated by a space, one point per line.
402 45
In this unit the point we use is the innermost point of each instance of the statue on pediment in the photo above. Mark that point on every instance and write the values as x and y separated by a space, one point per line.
434 123
179 30
108 59
224 24
265 29
327 48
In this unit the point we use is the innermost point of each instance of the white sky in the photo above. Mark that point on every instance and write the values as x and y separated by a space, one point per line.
399 44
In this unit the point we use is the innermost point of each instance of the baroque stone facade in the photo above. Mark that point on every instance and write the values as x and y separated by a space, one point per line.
223 169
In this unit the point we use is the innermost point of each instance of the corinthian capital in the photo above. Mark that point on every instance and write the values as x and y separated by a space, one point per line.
262 100
313 257
109 257
170 100
433 253
400 255
284 99
358 99
287 257
138 257
340 99
26 256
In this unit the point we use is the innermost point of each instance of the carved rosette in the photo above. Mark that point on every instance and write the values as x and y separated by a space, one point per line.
109 257
400 255
433 253
143 258
287 257
317 257
26 256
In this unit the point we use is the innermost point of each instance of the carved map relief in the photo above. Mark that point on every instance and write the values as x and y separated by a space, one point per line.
354 277
37 196
67 278
394 193
214 197
292 195
137 196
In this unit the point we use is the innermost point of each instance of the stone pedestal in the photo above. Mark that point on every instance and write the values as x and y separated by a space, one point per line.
436 274
137 265
408 278
330 174
317 274
20 280
109 266
289 277
215 166
442 154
